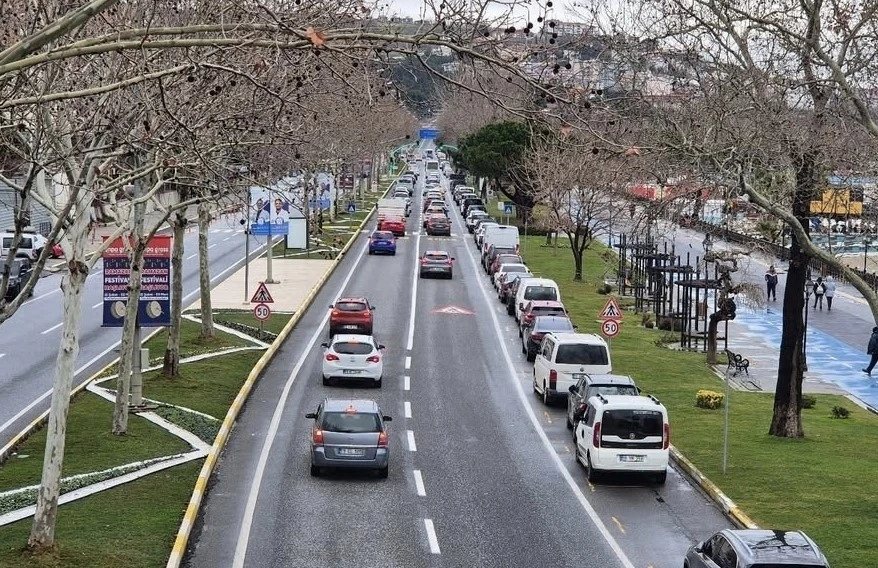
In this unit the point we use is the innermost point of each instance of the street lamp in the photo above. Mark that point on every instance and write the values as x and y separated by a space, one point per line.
866 242
809 288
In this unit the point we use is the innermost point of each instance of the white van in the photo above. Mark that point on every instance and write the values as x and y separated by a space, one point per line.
565 358
536 289
501 236
31 244
432 166
624 433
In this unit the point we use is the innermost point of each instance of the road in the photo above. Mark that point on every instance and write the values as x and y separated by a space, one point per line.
29 340
481 473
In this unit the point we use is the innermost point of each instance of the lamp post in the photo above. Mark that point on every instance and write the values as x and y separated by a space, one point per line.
866 242
809 288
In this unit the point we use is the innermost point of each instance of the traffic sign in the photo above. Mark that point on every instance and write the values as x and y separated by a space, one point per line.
352 207
262 311
508 209
262 295
610 328
611 310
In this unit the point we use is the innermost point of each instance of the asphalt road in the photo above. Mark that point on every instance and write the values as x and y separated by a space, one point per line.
481 472
29 340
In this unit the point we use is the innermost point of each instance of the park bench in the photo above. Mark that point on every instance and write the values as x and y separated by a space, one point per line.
737 362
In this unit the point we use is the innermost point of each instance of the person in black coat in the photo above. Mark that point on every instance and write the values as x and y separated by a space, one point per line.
872 350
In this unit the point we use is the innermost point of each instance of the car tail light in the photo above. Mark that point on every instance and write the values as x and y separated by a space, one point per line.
335 313
448 262
374 359
382 439
666 436
423 261
596 437
553 379
331 357
537 337
528 318
317 436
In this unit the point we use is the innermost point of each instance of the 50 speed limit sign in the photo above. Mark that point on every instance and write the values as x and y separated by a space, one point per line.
261 311
610 328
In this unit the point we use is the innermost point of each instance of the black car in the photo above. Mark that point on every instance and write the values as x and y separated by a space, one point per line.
746 548
20 273
532 334
493 253
593 385
469 203
504 290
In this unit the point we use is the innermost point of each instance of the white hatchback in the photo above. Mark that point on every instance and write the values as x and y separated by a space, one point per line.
353 356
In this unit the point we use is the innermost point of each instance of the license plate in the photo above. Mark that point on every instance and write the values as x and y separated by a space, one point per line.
351 452
351 326
578 376
631 459
350 372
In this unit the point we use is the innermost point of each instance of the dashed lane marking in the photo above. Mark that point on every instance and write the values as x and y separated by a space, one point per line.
408 363
618 525
406 382
51 329
407 406
413 447
432 540
419 483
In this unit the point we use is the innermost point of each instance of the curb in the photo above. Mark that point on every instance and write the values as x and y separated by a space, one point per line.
717 496
182 539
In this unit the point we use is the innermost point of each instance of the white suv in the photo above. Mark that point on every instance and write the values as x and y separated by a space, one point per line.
31 244
624 433
565 358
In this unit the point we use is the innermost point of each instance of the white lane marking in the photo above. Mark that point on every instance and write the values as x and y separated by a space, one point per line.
407 406
406 382
2 355
419 483
250 508
211 246
547 444
191 256
98 305
413 447
408 363
227 238
431 537
410 342
51 329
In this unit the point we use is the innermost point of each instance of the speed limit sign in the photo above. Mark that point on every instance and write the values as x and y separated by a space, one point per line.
261 311
610 328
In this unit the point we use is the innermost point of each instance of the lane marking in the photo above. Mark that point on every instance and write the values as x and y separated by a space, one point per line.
431 537
250 508
211 246
98 305
227 238
411 440
419 483
619 525
548 418
544 438
410 341
408 409
51 329
408 363
191 256
406 382
2 355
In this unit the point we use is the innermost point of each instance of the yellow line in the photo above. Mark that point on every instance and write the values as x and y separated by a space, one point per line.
619 525
566 448
548 418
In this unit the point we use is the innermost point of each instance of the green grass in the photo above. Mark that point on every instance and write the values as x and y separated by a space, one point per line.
132 525
274 324
91 446
190 342
821 484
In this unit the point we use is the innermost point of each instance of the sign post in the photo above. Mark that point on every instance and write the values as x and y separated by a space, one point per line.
262 297
611 319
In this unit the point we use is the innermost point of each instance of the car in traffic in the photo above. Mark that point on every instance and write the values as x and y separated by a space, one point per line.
351 315
470 220
382 242
438 225
436 263
349 434
20 272
353 356
535 289
534 308
394 224
532 335
756 548
594 384
432 210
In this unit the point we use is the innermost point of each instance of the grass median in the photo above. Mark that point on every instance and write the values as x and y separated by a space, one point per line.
814 484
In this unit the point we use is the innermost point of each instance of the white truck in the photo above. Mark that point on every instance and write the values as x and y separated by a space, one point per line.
393 207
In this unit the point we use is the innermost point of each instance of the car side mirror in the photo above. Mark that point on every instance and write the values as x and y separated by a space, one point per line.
521 306
452 258
331 307
371 307
311 415
387 418
324 345
382 347
573 389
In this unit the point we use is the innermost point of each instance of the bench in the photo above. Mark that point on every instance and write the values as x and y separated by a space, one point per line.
738 362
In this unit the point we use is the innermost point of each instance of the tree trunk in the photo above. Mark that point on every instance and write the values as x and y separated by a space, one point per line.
204 271
576 248
712 327
171 365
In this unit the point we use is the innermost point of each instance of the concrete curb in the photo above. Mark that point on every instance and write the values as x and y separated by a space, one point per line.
727 505
178 550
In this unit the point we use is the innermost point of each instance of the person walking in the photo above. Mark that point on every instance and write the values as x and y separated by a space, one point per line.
829 287
771 283
872 350
819 290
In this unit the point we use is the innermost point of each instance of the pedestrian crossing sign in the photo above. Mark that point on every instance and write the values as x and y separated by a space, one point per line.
262 295
611 310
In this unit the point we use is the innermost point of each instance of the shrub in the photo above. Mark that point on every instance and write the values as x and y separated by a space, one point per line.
710 400
605 289
809 401
667 339
840 412
646 318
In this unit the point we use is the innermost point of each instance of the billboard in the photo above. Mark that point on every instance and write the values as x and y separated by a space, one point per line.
154 307
324 189
269 212
428 133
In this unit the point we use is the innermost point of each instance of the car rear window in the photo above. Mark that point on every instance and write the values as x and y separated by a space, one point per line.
383 235
350 422
631 424
540 293
436 256
351 306
513 268
547 310
352 348
581 354
25 243
611 389
555 325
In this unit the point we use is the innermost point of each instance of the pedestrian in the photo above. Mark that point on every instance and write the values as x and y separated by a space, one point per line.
771 283
819 290
872 350
829 287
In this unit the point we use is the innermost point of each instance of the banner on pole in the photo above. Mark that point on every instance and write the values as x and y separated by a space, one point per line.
154 307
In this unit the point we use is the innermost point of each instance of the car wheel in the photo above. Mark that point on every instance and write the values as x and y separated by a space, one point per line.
523 348
420 274
510 309
531 356
591 473
378 384
569 423
535 384
383 472
315 471
546 399
393 253
519 332
661 477
371 252
325 381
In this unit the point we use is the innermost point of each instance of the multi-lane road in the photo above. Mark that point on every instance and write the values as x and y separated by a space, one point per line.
481 472
29 340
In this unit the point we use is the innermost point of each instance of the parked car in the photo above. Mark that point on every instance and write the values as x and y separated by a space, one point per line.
30 245
507 284
470 220
436 262
533 334
756 548
438 225
352 315
564 358
353 356
535 289
534 308
349 434
21 271
382 242
395 225
508 268
591 385
503 258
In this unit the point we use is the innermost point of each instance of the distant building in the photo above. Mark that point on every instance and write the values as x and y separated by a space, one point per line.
572 29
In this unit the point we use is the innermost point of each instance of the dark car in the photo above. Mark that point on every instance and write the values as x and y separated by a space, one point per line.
436 263
382 242
470 202
20 273
493 252
593 385
438 225
756 548
349 434
534 308
533 334
501 259
351 315
507 282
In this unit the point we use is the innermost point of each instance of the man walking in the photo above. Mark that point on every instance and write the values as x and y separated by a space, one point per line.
819 290
829 287
771 283
872 350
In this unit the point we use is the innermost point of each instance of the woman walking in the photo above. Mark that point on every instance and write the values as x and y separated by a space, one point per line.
819 291
829 287
771 283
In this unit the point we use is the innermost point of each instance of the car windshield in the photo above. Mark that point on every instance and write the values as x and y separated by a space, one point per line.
351 306
631 424
510 268
25 243
436 256
501 250
382 235
350 422
554 325
352 348
611 389
581 354
540 293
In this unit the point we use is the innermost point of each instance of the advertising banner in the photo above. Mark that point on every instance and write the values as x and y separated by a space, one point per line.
269 211
154 307
324 189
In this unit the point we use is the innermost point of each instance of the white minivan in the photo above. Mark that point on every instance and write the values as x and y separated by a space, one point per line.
624 433
536 289
500 236
564 358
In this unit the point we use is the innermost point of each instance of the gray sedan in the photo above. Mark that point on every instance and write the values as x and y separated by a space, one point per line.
436 263
349 434
756 548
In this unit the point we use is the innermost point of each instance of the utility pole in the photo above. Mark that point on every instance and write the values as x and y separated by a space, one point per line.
246 222
136 362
